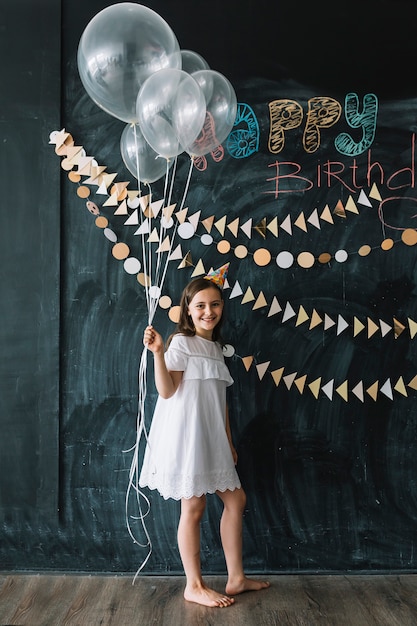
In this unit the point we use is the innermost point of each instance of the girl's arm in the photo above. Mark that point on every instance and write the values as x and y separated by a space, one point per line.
229 436
166 381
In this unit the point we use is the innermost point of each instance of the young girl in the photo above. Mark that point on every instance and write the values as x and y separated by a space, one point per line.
190 451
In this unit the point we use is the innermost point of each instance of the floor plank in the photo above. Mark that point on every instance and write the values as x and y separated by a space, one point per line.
292 600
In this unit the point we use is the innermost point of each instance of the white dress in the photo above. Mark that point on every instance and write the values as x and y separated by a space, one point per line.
188 452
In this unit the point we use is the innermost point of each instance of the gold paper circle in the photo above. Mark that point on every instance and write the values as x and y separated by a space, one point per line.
364 250
83 191
387 244
262 257
325 257
74 177
143 280
409 237
174 314
120 251
102 222
241 252
223 246
305 260
66 165
165 302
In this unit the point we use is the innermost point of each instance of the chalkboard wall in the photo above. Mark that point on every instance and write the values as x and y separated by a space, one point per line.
318 224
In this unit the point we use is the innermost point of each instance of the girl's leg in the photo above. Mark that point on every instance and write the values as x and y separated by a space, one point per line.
189 546
231 534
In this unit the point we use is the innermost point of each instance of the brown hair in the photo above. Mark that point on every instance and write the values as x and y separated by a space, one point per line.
185 324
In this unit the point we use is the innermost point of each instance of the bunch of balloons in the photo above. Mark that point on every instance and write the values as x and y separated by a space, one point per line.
131 65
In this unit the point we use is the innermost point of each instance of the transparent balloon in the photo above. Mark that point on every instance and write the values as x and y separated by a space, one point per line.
221 109
171 110
140 159
120 47
193 62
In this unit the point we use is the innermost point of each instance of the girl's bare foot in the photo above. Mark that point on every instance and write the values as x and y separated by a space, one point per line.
241 585
208 597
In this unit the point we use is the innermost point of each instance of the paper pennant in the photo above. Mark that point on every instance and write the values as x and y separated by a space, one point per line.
289 379
247 362
277 375
363 199
315 387
288 312
234 227
286 225
236 291
328 389
275 307
186 262
314 219
262 368
260 302
273 226
248 297
373 390
199 269
342 390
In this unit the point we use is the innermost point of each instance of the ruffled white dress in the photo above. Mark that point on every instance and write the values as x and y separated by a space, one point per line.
188 453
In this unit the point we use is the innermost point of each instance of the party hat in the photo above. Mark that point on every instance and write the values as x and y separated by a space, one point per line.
218 276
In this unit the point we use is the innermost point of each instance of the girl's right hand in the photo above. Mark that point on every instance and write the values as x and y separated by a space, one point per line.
153 340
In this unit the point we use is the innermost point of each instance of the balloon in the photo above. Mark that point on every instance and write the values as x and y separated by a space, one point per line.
133 146
120 47
171 111
221 109
192 62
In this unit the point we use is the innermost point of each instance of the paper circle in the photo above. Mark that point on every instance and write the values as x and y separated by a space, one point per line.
154 292
206 240
387 244
143 280
186 230
166 223
133 203
120 251
241 252
306 260
110 234
101 221
83 191
174 314
262 257
341 256
132 265
228 350
165 302
223 246
66 165
325 257
364 250
409 237
74 177
285 260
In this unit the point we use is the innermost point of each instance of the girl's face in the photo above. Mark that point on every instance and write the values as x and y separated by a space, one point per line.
206 310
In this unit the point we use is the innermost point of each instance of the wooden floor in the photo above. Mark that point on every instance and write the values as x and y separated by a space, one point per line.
299 600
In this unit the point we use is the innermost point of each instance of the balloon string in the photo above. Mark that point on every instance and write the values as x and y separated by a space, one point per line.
133 484
137 158
190 171
160 270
